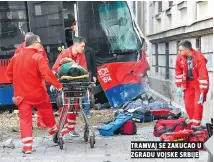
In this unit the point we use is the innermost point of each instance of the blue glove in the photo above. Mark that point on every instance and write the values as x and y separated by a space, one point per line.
179 92
201 99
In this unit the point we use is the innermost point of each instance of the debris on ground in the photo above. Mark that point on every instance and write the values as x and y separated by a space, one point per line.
159 109
10 123
100 116
102 106
8 144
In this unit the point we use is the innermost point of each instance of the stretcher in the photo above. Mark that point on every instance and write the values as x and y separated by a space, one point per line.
74 89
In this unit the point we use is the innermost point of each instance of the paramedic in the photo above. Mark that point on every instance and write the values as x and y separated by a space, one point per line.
43 53
27 71
75 53
192 78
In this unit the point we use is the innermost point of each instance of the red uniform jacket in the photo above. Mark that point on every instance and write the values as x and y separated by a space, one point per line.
199 71
27 71
42 52
23 45
78 58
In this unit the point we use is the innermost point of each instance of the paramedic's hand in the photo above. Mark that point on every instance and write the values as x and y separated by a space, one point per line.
201 99
52 88
179 92
94 79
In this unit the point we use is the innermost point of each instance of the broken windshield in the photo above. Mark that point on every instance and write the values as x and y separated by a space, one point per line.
115 20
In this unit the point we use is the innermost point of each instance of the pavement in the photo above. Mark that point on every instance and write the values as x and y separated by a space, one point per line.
107 149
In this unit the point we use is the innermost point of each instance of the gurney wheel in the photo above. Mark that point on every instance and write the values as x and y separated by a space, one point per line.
61 142
86 134
55 138
92 141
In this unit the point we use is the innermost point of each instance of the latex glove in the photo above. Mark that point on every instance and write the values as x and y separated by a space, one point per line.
52 88
94 79
201 99
179 92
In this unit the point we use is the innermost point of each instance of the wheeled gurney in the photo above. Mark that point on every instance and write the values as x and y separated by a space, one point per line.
74 89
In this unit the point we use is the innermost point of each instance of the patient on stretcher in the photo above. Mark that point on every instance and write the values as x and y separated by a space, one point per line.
70 70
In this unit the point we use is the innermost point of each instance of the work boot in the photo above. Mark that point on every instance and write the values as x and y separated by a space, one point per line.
74 134
67 137
27 149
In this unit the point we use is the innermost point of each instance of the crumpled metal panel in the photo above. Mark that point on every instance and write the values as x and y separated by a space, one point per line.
122 81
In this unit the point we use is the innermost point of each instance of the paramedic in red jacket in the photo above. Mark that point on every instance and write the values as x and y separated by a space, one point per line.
27 71
23 45
192 78
75 53
43 53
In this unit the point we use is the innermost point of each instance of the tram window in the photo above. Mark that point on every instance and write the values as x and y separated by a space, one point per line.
69 19
46 8
116 21
68 13
48 22
49 35
13 24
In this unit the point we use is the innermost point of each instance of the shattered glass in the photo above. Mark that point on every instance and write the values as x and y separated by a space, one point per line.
116 21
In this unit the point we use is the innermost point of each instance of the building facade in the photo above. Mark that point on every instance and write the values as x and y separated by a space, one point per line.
165 24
